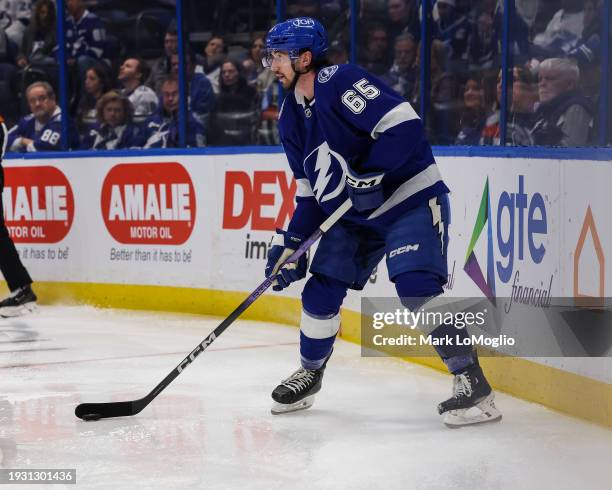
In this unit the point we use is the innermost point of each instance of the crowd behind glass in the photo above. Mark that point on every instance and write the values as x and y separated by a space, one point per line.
122 67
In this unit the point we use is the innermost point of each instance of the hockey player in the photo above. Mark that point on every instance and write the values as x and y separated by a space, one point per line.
346 133
22 299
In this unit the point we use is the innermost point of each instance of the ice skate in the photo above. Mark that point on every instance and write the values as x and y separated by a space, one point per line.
472 400
298 391
20 302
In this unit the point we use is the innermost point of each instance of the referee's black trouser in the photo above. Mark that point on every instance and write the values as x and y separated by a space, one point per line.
10 264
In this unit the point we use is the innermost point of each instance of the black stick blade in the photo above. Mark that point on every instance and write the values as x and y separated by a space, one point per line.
96 411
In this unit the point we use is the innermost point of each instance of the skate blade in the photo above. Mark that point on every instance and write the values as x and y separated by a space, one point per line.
483 412
15 311
281 408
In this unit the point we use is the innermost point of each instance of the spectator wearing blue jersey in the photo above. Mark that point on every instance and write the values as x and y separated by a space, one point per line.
587 51
85 38
402 76
562 32
483 44
453 29
114 129
162 129
199 88
210 63
42 129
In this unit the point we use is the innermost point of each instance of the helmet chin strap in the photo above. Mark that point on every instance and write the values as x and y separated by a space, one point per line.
297 76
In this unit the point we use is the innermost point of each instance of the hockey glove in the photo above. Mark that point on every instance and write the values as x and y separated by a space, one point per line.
365 191
284 244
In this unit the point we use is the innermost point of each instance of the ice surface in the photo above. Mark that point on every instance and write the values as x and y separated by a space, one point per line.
374 425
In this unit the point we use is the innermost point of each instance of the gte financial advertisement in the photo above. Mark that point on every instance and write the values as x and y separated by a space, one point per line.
520 235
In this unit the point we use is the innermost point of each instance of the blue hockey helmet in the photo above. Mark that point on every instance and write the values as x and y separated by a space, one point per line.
294 35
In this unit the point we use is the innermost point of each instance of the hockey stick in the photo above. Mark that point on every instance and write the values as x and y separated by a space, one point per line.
95 411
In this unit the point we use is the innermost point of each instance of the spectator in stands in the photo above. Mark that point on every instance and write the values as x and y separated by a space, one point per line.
201 95
483 44
522 108
481 12
445 108
491 133
564 116
437 68
473 114
41 130
563 30
236 109
39 44
453 30
114 129
403 74
18 12
404 18
252 64
375 55
161 66
587 51
336 53
162 129
85 38
235 95
210 63
8 54
132 74
97 83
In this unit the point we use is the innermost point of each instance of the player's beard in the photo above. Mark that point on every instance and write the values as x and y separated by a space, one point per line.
294 81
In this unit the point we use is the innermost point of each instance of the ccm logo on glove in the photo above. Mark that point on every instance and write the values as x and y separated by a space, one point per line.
361 183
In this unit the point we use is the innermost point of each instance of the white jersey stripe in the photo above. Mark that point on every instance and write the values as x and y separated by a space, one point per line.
399 114
420 181
303 188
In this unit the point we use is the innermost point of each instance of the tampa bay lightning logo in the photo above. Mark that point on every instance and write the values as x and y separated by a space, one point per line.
326 73
326 170
303 22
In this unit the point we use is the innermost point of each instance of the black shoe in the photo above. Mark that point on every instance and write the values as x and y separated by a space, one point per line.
298 390
470 389
20 302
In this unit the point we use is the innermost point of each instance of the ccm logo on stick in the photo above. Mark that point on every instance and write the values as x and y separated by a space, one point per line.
404 249
246 199
149 203
38 204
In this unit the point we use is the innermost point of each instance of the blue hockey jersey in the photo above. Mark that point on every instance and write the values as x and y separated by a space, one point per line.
355 126
162 131
87 37
103 137
45 137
